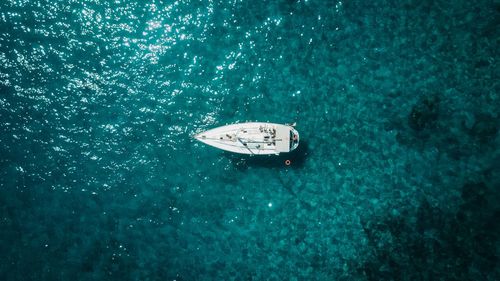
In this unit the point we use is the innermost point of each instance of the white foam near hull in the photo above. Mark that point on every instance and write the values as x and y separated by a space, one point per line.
254 138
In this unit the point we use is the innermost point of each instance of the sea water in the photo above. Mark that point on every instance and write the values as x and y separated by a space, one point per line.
396 176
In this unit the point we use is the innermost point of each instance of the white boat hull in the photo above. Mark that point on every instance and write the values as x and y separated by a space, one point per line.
253 138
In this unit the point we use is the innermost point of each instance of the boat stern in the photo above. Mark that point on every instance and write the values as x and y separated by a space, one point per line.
294 139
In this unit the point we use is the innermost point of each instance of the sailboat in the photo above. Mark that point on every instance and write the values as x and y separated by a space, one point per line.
253 138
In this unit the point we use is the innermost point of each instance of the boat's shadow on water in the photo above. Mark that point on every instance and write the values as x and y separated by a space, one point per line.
296 159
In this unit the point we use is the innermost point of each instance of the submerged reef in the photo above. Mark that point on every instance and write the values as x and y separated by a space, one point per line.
424 113
457 133
438 244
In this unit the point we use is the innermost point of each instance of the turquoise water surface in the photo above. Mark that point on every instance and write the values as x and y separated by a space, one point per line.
396 178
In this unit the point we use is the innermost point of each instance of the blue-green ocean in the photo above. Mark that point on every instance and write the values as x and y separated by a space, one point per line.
397 176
